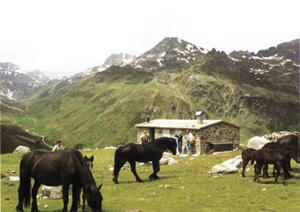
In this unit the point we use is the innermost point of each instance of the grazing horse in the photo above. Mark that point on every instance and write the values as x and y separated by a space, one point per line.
89 162
246 156
290 142
53 169
152 151
278 157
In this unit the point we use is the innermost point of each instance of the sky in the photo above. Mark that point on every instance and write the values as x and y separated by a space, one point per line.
62 37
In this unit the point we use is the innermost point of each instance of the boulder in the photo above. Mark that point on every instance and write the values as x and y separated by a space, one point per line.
52 192
257 142
229 166
167 161
14 178
22 149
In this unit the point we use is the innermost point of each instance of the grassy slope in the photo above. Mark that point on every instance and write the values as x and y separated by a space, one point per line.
202 191
103 110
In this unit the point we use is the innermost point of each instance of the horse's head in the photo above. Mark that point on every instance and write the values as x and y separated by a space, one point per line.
89 161
94 197
172 145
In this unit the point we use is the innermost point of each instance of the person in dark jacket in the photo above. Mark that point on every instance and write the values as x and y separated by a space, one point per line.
179 140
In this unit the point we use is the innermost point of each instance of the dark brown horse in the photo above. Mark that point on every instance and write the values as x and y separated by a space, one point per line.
54 169
152 151
89 162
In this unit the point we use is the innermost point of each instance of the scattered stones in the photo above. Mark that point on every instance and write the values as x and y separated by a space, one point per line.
168 186
167 161
14 178
248 169
183 155
181 187
257 142
45 206
228 166
276 135
264 189
110 147
133 210
22 149
141 198
51 192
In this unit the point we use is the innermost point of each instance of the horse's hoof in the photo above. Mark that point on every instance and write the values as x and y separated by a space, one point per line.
116 182
139 180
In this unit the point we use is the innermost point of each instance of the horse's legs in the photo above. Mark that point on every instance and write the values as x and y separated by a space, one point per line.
117 168
155 165
132 166
278 167
257 171
245 163
83 199
265 171
65 188
79 192
75 197
21 199
34 207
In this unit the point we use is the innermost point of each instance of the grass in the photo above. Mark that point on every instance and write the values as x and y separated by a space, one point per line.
191 187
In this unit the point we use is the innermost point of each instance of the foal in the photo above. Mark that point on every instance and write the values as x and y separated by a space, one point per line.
89 163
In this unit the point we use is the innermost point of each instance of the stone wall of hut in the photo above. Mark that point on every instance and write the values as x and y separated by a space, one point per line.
221 132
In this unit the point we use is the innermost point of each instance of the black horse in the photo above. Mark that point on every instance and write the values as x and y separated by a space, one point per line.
278 157
53 169
151 151
289 142
246 156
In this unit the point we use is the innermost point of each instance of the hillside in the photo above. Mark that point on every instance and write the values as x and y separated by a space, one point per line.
258 92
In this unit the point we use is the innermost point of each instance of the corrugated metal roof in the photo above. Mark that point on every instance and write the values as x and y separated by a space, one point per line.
180 124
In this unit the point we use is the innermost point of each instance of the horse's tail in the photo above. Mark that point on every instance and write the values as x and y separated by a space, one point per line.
25 181
118 154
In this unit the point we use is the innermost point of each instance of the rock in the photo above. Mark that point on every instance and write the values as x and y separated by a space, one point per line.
181 187
21 149
133 210
14 178
167 161
228 166
276 135
52 192
257 142
168 186
183 155
110 147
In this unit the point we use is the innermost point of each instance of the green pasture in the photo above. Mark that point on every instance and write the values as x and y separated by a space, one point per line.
184 186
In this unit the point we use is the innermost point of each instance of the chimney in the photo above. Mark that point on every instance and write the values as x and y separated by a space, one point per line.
199 116
148 119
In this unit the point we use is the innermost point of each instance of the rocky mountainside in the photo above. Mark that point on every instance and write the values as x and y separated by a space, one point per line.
16 84
120 59
172 80
171 54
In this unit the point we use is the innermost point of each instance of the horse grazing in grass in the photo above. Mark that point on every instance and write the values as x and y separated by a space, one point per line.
89 162
53 169
152 151
288 142
278 157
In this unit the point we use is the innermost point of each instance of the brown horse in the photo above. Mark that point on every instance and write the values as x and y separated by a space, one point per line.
53 169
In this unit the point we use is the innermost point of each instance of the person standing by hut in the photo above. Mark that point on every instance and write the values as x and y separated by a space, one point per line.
145 138
189 142
57 146
179 141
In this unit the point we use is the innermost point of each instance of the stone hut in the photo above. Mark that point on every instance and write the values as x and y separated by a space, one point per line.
221 134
